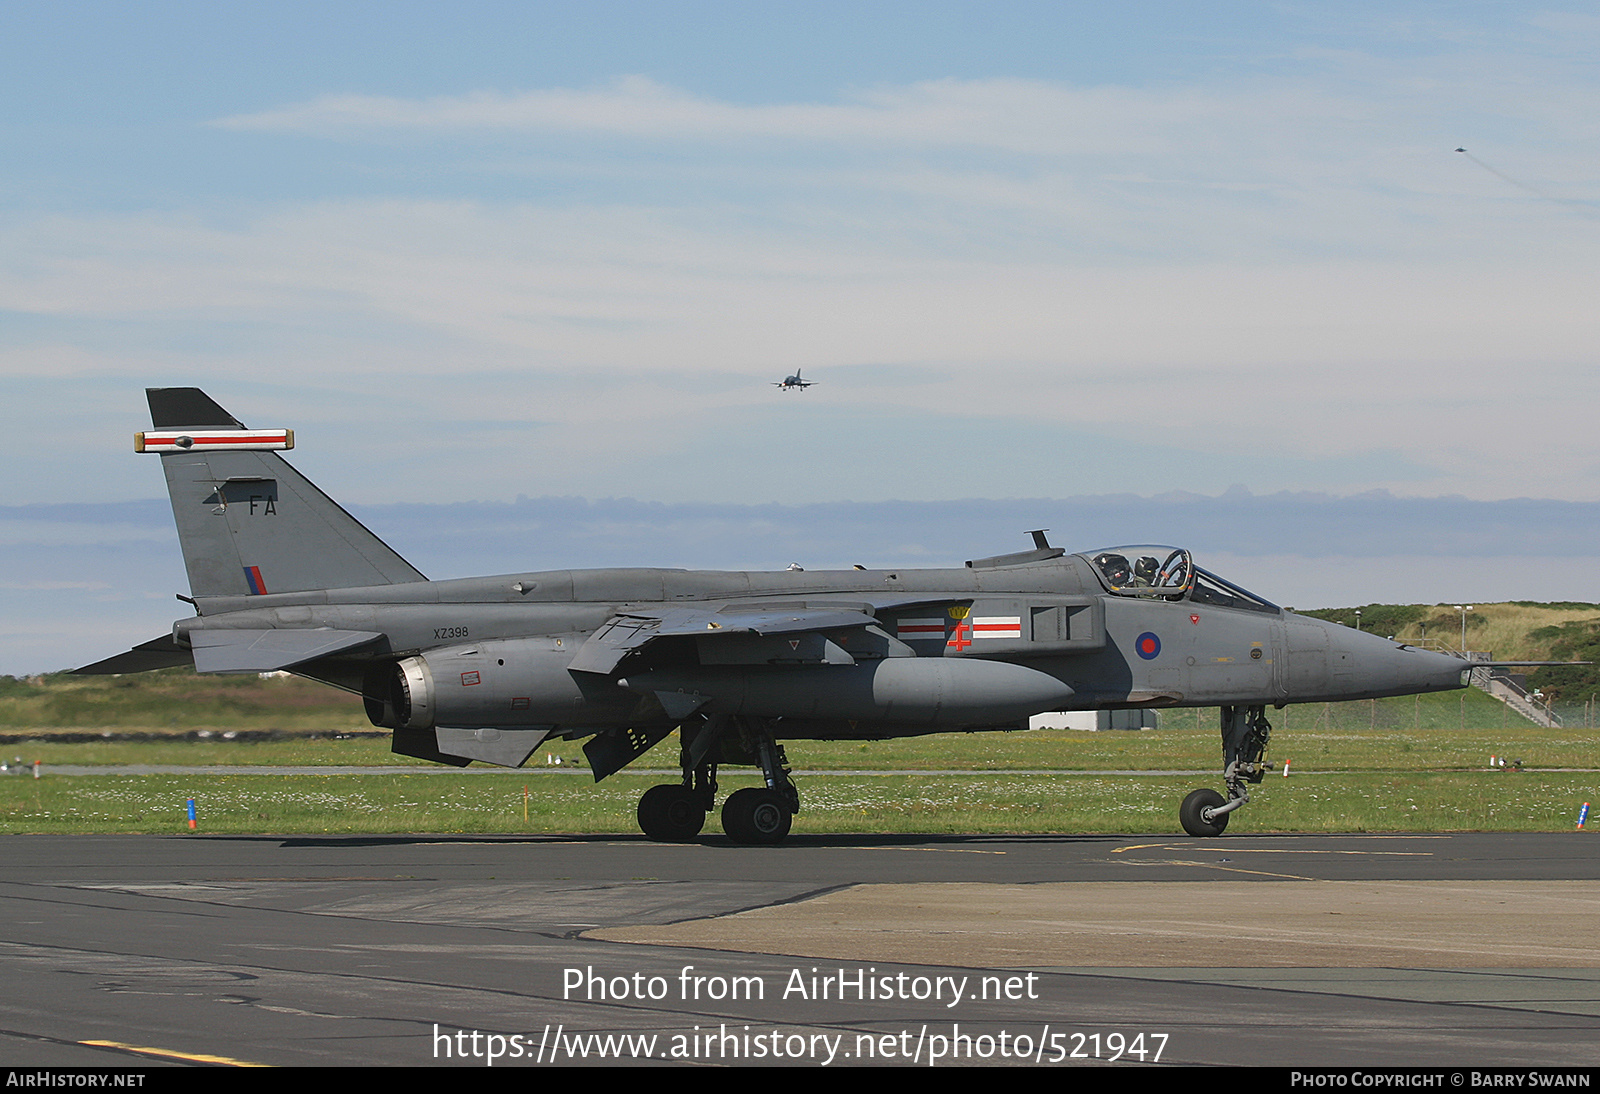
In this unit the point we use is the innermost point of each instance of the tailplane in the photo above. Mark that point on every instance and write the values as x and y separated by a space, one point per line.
249 523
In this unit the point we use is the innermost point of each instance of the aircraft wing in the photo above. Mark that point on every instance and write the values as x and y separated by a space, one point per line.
622 634
231 651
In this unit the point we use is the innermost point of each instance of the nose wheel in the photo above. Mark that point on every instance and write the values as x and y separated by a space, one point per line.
1199 814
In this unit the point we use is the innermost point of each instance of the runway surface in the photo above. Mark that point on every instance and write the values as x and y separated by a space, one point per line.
1450 951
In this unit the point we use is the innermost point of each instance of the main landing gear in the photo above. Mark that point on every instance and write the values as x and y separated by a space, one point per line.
1245 733
675 812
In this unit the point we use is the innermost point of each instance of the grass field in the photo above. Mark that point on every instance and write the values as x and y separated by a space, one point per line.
838 803
1412 764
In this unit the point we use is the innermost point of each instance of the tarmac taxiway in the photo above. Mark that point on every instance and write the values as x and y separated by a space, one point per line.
1399 950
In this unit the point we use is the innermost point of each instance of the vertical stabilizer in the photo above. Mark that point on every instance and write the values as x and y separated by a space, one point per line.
249 523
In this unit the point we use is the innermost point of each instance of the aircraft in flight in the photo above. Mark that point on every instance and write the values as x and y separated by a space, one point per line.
739 663
789 382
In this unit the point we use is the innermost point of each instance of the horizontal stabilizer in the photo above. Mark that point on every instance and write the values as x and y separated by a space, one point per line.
158 653
229 651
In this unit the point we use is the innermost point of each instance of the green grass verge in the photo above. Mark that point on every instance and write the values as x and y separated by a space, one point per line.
931 803
1455 731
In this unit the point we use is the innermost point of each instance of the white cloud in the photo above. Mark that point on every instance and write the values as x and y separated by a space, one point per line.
1327 116
1027 116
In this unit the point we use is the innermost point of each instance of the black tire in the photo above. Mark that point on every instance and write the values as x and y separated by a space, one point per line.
669 813
1192 814
756 815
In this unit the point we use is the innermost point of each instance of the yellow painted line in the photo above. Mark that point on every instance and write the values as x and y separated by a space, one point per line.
166 1053
1267 851
936 850
1229 869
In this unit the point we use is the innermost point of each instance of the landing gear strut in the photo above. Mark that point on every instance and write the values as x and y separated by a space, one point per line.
762 814
1245 733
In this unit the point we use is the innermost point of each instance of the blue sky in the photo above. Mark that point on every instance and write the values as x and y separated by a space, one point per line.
1026 250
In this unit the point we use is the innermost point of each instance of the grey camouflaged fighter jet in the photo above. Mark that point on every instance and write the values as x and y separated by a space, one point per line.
487 668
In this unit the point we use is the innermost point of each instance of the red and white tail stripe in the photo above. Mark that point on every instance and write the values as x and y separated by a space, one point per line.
258 440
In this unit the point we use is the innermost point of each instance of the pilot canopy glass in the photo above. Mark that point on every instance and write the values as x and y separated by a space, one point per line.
1169 573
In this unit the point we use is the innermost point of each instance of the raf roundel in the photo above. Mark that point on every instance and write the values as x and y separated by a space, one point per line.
1148 645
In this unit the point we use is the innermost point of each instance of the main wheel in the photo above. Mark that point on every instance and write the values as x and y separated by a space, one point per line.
1192 814
756 815
669 813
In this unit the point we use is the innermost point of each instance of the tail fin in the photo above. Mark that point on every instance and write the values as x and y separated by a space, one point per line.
249 523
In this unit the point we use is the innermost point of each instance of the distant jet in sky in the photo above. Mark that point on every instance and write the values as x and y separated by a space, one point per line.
792 382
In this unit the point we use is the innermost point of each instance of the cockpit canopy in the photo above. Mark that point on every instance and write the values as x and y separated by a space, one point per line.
1169 573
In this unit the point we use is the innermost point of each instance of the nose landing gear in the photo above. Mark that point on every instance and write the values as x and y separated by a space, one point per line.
1245 733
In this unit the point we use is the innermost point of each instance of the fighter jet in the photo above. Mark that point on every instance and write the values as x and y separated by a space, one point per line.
739 663
794 381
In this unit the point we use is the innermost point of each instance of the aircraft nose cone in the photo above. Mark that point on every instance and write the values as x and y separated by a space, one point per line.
1375 667
1330 662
